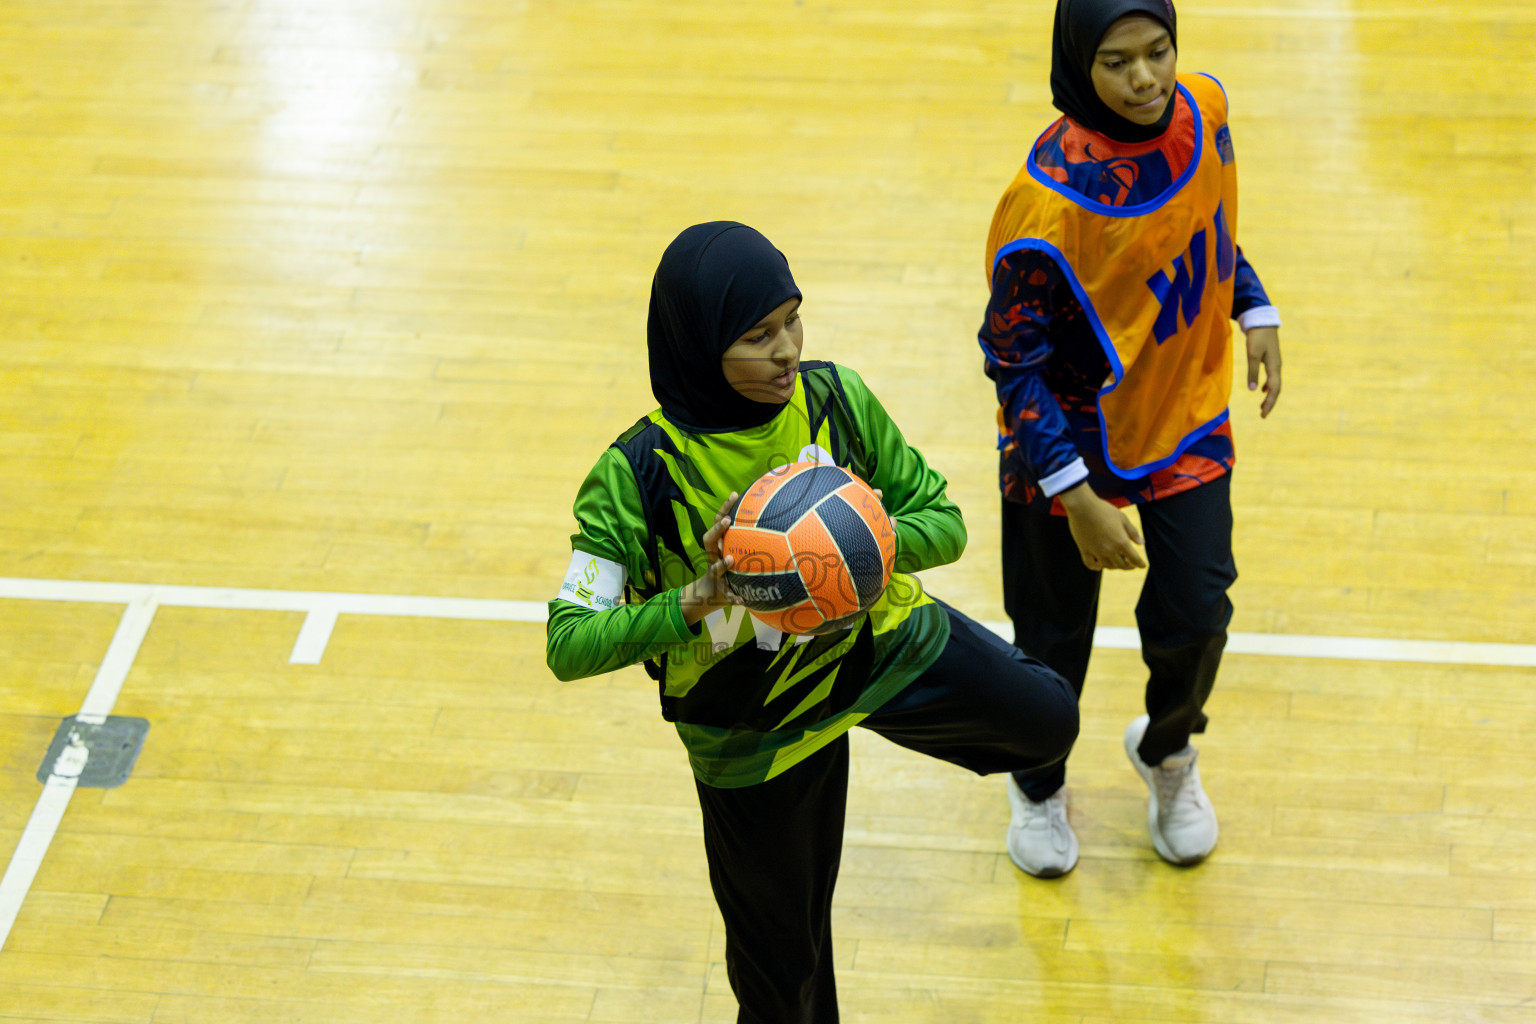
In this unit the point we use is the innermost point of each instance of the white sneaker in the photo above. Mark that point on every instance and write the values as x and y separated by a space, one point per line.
1180 818
1040 841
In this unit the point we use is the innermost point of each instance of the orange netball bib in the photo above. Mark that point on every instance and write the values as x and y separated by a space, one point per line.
1155 281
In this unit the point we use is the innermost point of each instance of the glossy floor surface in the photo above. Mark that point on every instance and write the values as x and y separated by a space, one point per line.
300 299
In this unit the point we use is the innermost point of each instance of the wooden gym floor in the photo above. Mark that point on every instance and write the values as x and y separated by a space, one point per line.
302 299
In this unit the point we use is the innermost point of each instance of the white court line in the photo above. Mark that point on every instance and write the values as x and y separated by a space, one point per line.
1292 645
1347 648
57 791
120 656
313 636
321 610
479 608
28 858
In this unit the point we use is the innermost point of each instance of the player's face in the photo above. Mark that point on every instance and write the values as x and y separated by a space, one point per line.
762 363
1133 68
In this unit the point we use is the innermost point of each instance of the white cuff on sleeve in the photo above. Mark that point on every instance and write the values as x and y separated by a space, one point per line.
1258 316
1070 476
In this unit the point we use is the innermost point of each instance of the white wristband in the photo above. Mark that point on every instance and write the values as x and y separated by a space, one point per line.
1071 475
592 582
1258 316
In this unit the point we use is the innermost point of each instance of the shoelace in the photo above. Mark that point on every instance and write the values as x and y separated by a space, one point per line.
1053 812
1177 798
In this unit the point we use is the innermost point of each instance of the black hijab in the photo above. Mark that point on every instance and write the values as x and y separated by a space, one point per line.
1080 25
715 281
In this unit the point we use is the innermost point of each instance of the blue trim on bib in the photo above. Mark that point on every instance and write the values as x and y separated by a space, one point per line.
1151 205
1116 367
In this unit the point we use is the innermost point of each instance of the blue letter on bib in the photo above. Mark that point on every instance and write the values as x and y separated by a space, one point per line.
1183 292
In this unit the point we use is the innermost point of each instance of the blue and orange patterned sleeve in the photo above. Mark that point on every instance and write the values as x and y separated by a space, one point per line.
1247 291
1038 454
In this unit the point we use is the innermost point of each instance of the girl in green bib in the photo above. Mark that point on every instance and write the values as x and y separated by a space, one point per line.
764 715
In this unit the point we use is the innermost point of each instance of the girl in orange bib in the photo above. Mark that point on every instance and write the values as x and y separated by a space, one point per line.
1115 274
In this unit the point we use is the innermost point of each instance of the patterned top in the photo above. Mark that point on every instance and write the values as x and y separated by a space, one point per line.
1044 356
749 701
